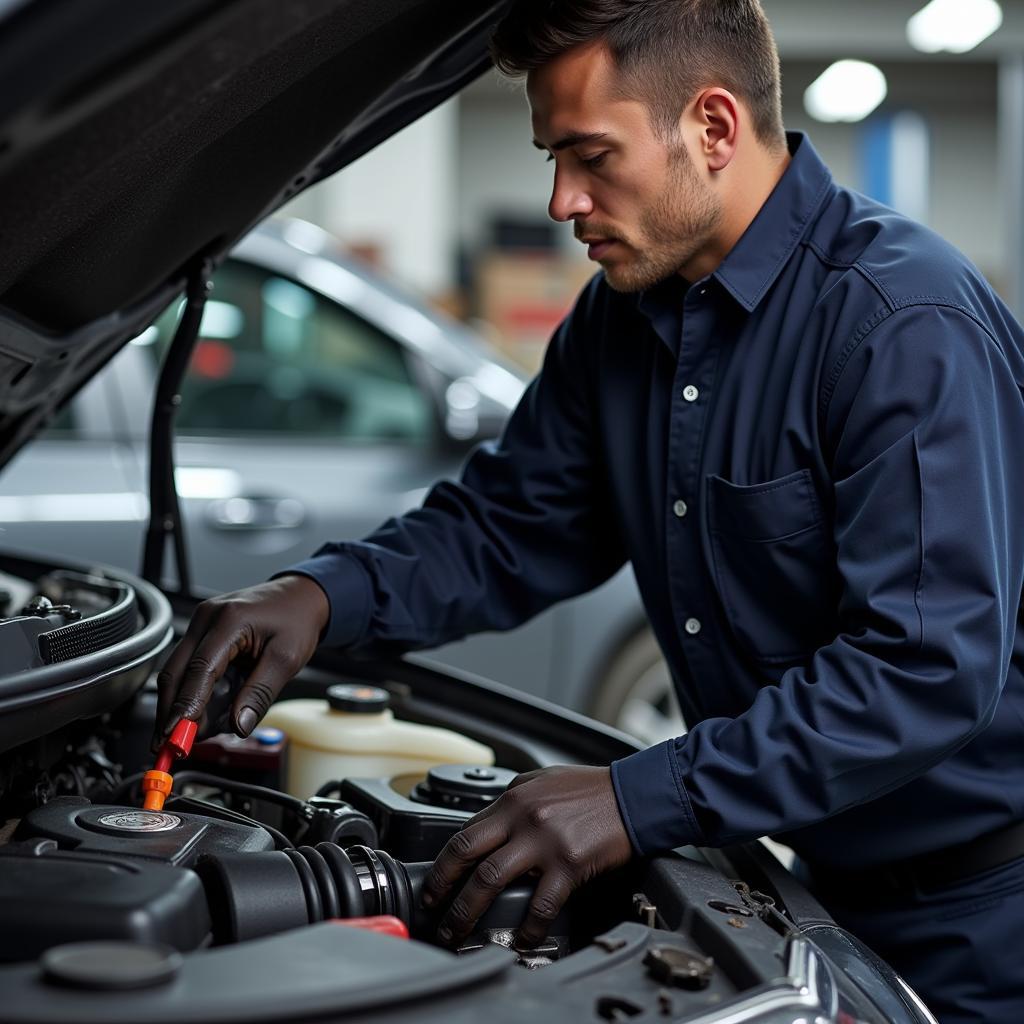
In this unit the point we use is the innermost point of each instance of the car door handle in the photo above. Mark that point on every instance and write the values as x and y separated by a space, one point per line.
255 512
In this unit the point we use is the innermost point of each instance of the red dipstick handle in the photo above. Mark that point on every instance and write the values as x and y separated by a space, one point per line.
156 784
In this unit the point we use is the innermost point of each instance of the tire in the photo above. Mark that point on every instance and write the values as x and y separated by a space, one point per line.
636 694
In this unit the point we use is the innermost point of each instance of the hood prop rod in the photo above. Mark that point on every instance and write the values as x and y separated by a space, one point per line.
164 512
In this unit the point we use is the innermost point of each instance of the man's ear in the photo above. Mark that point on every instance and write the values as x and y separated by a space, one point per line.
717 113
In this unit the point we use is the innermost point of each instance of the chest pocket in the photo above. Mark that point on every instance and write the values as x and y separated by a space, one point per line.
773 565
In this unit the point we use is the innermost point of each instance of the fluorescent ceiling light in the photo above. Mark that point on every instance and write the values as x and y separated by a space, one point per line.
847 91
953 25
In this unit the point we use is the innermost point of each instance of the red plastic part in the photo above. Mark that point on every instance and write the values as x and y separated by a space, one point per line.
178 744
384 924
182 737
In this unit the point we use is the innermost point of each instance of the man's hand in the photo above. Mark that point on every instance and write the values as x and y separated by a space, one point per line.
561 823
273 626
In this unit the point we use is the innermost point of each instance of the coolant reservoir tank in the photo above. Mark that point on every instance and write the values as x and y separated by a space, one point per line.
354 734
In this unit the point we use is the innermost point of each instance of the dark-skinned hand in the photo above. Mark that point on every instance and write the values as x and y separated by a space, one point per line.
272 629
562 824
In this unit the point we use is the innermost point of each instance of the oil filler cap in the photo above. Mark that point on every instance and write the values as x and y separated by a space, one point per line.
462 787
110 966
679 967
355 697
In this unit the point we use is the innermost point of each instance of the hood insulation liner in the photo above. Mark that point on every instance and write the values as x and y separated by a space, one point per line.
115 178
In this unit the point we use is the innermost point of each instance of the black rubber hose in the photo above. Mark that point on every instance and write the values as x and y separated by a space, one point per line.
273 796
400 889
123 789
252 894
262 893
334 786
314 905
420 921
350 892
324 882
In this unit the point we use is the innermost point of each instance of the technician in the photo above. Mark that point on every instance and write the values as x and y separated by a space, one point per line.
799 416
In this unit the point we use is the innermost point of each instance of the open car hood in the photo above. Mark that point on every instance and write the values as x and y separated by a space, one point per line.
137 140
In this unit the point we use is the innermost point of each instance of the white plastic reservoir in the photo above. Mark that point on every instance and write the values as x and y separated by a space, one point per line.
354 734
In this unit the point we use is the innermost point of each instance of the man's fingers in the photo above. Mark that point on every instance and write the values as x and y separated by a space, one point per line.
552 892
282 616
169 678
167 682
204 665
490 877
264 684
462 851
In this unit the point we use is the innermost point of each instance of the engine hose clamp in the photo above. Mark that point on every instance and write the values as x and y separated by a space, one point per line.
373 878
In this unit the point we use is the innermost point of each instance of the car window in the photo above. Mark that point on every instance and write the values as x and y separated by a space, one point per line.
86 416
63 426
274 358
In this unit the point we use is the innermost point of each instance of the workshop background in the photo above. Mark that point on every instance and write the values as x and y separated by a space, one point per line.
928 119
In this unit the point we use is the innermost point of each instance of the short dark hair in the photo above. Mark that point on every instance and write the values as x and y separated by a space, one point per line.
666 50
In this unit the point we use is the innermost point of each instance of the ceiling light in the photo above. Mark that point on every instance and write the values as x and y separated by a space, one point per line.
953 25
847 91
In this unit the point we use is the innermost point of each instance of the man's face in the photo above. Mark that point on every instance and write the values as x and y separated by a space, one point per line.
634 197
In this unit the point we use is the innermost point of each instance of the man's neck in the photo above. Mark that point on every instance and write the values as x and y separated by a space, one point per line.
751 186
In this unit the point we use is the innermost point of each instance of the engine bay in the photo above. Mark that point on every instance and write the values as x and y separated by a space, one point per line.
228 862
232 857
248 896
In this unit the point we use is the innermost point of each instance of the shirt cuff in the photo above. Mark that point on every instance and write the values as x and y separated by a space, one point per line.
652 801
349 593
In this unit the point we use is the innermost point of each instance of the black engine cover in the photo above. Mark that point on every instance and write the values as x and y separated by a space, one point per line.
175 838
49 897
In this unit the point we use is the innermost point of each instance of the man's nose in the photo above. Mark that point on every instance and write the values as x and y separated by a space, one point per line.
568 199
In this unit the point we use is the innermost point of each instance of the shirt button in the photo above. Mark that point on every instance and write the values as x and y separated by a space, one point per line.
690 393
692 626
680 509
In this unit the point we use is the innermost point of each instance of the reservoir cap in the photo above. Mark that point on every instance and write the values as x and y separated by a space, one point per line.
111 966
268 736
462 787
358 698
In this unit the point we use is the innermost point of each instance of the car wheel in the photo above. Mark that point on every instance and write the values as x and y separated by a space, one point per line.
636 694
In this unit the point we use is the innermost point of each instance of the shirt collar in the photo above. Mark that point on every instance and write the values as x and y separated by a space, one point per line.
757 259
662 304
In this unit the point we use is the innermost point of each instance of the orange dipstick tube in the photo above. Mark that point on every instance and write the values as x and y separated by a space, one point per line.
156 783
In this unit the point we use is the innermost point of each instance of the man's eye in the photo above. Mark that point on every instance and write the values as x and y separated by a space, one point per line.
594 161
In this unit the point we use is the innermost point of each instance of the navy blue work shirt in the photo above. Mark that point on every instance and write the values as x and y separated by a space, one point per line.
813 460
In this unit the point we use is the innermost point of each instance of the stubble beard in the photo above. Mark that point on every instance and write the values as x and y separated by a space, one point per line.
673 230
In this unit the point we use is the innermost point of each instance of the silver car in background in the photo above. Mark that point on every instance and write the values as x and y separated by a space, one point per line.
320 401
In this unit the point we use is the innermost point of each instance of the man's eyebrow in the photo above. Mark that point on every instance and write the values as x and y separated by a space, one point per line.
572 139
